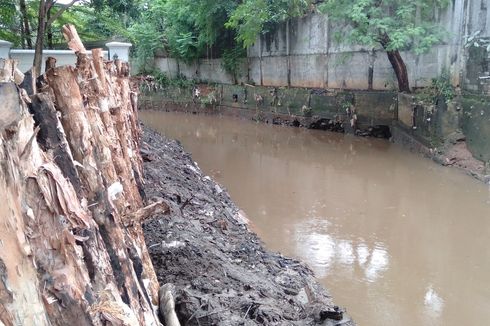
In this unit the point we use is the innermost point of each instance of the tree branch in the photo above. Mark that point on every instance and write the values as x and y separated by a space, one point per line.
49 4
60 12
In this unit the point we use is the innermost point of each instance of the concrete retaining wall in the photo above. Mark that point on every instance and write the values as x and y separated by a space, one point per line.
475 123
428 126
433 125
372 107
209 70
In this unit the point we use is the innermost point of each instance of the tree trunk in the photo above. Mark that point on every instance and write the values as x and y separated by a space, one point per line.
397 64
72 251
50 30
400 70
38 53
25 24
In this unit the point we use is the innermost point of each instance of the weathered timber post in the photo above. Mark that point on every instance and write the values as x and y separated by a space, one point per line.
73 204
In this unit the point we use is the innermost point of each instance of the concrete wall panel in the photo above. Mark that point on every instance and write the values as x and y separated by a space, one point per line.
309 71
274 71
348 71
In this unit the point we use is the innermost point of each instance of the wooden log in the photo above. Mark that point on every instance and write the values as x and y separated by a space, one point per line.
50 63
20 300
71 36
90 148
72 206
62 81
9 72
7 67
52 138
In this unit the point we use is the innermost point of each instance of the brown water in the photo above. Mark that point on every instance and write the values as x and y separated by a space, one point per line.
397 239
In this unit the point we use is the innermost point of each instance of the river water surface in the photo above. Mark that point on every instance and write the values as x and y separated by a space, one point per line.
397 239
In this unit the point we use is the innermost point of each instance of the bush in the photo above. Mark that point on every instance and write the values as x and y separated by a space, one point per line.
440 87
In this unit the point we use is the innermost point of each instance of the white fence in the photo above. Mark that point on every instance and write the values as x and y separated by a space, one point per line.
63 57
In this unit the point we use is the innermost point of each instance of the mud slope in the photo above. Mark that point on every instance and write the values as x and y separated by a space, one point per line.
222 273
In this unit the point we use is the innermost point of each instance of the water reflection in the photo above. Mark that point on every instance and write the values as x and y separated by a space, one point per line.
323 250
377 263
434 304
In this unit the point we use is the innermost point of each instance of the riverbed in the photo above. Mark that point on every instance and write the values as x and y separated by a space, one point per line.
396 238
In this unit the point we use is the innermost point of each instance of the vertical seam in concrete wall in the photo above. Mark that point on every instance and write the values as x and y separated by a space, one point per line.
248 65
465 12
288 52
326 25
260 61
371 69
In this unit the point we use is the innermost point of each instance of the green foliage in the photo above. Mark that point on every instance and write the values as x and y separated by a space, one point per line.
162 79
182 82
249 20
9 22
209 100
185 28
232 58
253 17
147 37
440 88
191 29
154 80
395 24
95 20
92 25
180 31
125 9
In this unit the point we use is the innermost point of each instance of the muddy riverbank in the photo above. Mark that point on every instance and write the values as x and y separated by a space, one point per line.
222 272
453 152
450 133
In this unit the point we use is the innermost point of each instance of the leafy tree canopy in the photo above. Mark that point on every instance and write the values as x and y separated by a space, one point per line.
95 20
187 28
190 29
395 24
253 17
8 24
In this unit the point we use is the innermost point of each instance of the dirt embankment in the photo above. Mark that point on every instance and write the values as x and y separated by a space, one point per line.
455 153
221 271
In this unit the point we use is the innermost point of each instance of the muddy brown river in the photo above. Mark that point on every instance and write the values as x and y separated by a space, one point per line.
397 239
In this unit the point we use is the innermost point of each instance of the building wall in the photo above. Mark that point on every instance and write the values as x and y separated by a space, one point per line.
26 57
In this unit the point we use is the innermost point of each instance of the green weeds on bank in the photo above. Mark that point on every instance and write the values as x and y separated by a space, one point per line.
440 87
156 80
